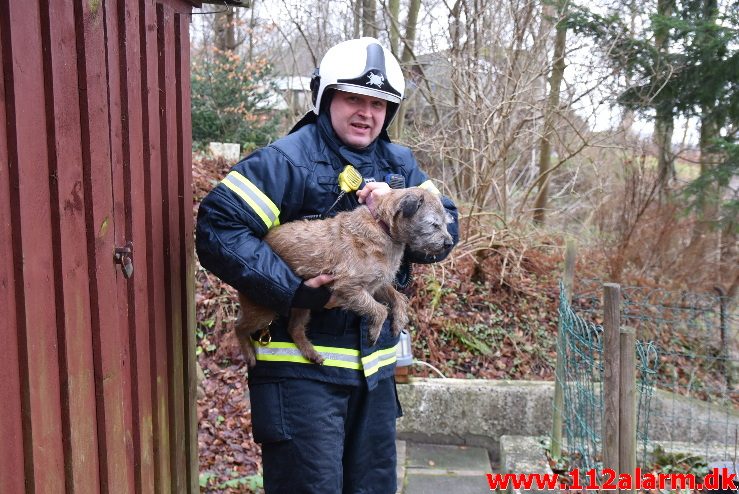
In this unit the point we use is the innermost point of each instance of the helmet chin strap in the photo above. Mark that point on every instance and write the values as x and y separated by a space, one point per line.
328 96
392 112
315 84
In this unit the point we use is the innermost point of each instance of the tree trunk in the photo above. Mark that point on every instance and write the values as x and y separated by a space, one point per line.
369 18
708 201
663 130
629 116
225 30
396 129
729 252
555 82
709 197
394 14
410 31
357 18
454 134
664 121
252 27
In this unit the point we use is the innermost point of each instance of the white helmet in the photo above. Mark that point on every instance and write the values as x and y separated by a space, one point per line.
361 66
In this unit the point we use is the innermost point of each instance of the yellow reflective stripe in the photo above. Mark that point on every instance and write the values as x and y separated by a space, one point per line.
319 348
299 359
255 198
429 185
373 362
281 351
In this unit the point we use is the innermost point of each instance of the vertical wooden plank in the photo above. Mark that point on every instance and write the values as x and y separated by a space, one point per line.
155 243
170 211
627 403
12 470
117 119
558 403
187 241
611 360
33 251
70 262
135 223
569 275
107 347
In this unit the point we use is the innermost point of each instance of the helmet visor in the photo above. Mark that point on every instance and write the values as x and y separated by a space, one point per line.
367 91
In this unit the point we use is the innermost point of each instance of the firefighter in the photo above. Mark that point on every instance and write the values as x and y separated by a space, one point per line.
323 428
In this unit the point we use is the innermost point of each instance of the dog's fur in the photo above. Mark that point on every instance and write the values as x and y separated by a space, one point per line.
362 252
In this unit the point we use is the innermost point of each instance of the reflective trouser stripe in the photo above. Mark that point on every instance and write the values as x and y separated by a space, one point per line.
255 198
346 358
429 185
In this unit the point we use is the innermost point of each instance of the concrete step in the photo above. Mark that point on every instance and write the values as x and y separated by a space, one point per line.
433 469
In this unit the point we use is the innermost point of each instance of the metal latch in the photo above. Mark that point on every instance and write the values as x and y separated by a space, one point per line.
122 256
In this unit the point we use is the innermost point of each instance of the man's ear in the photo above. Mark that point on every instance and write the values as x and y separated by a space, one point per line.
410 204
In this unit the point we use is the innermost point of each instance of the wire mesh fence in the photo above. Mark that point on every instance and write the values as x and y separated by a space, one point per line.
687 359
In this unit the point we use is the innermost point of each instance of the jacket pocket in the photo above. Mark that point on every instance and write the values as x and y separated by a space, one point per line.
267 412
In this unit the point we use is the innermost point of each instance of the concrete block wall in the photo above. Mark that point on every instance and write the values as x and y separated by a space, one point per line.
478 412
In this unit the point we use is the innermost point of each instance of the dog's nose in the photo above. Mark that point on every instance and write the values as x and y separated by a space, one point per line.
448 243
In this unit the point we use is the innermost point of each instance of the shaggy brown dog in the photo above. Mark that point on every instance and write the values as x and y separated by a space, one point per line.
362 252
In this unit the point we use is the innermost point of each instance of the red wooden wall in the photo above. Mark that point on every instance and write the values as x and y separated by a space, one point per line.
96 370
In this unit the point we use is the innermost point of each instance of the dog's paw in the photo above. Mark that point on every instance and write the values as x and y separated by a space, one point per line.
249 355
397 328
310 353
315 357
400 322
374 335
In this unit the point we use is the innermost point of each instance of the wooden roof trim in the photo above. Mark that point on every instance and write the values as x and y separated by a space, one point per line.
234 3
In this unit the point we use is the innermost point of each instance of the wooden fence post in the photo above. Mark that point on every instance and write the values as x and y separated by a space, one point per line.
611 371
558 405
627 404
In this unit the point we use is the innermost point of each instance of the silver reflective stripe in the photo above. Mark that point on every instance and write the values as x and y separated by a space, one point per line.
381 358
294 352
281 351
256 199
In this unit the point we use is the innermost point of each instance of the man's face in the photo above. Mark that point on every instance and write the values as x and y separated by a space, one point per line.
357 119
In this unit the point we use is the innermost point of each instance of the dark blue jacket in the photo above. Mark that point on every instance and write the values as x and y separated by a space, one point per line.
295 177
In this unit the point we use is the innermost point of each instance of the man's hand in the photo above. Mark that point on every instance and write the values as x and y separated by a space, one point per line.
370 192
320 280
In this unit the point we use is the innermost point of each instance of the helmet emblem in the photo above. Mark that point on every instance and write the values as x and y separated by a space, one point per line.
375 79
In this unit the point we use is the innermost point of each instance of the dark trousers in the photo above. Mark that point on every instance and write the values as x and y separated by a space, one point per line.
325 438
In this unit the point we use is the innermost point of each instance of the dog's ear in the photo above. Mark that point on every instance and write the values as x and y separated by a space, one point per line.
410 204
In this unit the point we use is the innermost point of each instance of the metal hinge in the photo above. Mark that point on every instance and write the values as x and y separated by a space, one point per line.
122 256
